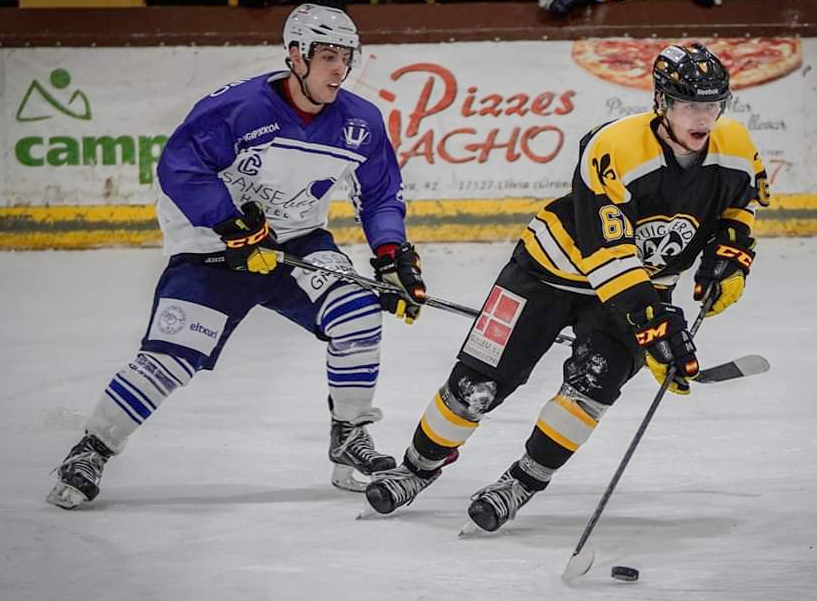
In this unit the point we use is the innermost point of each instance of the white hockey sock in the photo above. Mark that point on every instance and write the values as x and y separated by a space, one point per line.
351 319
134 393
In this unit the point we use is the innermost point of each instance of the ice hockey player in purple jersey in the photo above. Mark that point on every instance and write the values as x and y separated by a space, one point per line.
651 193
249 171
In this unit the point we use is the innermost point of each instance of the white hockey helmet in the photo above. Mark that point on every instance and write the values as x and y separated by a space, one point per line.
310 24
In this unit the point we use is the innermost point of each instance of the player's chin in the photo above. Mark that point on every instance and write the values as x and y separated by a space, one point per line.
331 92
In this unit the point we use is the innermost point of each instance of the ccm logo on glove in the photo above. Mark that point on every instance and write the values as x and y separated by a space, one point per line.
650 335
735 254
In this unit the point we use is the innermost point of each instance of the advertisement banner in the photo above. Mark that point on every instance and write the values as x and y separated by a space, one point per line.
475 120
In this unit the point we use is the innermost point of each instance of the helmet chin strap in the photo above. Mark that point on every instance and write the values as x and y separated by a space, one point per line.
668 127
302 81
661 107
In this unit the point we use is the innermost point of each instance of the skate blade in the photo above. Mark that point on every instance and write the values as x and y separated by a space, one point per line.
469 529
343 477
65 496
366 512
579 564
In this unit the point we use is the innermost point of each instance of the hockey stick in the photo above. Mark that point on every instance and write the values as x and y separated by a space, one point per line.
749 365
582 559
372 284
737 368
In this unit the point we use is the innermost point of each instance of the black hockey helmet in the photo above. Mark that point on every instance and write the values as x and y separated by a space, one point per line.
691 74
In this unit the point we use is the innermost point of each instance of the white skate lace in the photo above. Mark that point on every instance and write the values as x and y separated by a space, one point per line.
359 444
88 464
403 484
506 496
357 441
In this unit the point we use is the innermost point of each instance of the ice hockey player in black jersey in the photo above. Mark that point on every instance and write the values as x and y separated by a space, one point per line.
651 192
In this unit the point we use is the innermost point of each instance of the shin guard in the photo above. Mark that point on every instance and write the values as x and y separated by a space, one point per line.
134 394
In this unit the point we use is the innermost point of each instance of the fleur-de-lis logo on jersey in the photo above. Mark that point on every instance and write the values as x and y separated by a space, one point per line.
661 238
603 169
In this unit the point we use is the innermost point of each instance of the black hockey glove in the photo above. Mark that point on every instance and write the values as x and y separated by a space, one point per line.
249 240
400 265
725 263
661 331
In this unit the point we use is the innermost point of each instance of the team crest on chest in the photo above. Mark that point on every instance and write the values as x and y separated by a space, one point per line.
356 133
660 239
250 165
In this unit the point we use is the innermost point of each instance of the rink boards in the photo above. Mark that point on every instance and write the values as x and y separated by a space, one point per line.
81 132
90 226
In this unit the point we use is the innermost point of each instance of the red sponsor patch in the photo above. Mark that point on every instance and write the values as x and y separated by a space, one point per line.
492 298
493 329
506 309
481 322
497 332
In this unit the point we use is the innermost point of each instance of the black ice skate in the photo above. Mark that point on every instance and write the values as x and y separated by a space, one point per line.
351 448
400 486
497 503
397 487
79 475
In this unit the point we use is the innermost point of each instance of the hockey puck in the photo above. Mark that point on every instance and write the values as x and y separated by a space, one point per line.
624 573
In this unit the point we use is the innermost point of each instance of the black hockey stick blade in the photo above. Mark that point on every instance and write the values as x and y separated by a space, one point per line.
749 365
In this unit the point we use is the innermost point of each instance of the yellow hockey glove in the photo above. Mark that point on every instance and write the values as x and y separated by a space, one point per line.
249 241
661 331
725 263
400 265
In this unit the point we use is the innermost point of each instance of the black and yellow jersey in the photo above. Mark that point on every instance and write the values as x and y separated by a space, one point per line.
635 219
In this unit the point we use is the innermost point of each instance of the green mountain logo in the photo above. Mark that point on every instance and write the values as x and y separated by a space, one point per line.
37 99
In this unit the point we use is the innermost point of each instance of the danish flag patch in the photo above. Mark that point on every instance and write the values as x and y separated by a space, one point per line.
489 336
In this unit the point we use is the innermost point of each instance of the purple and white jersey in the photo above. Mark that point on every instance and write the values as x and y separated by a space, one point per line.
245 143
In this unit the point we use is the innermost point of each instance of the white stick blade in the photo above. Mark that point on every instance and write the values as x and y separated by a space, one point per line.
752 365
579 564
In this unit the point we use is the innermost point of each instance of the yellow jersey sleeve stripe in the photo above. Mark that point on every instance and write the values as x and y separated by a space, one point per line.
605 255
613 269
536 246
562 238
743 216
621 283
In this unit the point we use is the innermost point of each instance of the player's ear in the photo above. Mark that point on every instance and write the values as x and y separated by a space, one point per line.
660 104
295 56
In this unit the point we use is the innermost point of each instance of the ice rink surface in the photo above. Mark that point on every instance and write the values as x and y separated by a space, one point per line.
224 495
